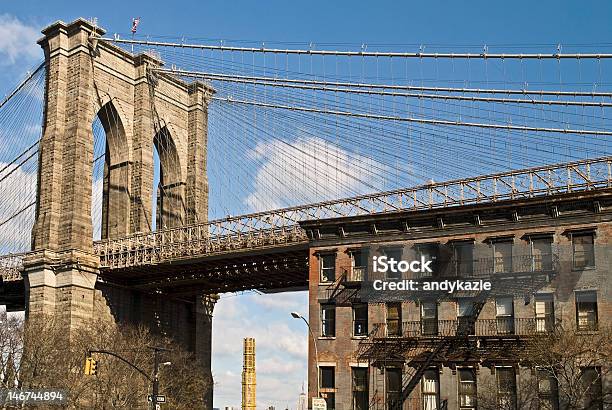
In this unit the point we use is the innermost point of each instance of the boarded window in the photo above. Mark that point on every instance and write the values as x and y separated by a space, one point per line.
502 257
541 254
586 310
394 319
584 250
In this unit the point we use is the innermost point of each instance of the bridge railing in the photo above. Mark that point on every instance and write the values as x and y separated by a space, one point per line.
271 228
187 242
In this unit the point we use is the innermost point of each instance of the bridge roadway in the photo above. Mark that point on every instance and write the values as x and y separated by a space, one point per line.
269 250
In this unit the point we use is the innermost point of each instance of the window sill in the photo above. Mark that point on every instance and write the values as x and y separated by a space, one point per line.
326 338
574 269
359 337
587 331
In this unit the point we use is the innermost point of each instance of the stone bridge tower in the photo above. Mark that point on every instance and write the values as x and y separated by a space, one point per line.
139 111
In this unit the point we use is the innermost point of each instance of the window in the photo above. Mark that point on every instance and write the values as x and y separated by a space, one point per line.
428 252
584 250
328 267
506 388
467 389
328 320
394 387
360 319
465 310
394 319
544 313
360 388
548 395
430 387
463 257
429 318
586 310
541 254
504 313
327 379
591 381
502 256
359 265
394 253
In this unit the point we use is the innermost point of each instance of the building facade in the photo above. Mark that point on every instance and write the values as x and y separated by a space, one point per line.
547 262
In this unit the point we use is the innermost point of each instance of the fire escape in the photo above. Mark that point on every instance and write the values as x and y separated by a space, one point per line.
419 346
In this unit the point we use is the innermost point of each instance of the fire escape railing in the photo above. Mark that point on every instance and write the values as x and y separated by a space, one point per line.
428 328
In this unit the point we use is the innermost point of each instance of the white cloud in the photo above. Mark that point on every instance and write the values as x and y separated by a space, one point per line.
17 40
309 169
285 301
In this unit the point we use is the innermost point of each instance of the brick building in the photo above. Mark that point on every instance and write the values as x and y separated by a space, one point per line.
547 260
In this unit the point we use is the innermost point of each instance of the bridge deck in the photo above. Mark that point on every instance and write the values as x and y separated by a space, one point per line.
279 228
269 249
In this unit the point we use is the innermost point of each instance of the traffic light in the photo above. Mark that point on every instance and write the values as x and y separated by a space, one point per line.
91 366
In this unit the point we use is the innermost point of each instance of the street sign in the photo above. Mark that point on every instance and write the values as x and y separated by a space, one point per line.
160 398
319 404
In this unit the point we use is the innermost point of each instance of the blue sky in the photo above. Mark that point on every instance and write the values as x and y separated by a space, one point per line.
281 340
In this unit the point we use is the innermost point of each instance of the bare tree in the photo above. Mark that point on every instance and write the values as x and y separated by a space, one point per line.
578 363
49 359
568 369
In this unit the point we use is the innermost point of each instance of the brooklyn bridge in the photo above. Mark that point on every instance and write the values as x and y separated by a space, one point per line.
128 161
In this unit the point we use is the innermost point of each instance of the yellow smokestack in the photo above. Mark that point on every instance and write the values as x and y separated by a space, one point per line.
249 382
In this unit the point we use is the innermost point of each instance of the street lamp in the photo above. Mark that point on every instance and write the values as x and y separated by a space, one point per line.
296 315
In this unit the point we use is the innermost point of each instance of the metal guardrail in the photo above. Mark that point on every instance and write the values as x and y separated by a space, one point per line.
281 226
502 326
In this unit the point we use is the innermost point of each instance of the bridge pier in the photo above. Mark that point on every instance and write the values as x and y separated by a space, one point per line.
61 285
203 340
139 110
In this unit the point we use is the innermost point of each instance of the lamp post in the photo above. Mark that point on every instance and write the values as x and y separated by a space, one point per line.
296 315
156 364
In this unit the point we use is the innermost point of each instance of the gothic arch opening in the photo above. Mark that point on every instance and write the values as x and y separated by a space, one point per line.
110 206
169 192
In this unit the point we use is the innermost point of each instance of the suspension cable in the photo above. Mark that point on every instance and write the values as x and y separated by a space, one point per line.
416 120
285 82
538 56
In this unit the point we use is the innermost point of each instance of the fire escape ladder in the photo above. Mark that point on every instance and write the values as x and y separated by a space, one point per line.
467 325
336 287
416 377
368 347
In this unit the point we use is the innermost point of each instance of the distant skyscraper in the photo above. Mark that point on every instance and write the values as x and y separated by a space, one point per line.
249 382
302 403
